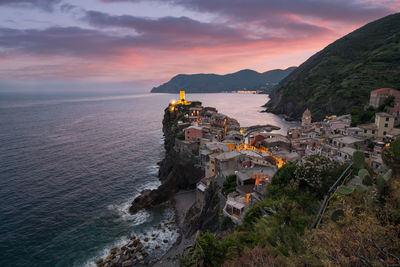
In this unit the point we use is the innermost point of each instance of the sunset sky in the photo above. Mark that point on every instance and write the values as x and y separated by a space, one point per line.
134 44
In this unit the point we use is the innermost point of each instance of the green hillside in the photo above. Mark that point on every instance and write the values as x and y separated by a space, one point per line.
213 83
340 77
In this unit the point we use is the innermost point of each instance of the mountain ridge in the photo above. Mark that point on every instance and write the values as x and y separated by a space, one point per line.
214 83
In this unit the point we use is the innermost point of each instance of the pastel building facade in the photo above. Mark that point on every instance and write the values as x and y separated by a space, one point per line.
193 133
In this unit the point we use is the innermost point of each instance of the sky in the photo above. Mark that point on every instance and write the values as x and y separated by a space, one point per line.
137 44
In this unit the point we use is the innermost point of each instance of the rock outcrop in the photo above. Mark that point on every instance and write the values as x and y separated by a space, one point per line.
206 218
130 254
176 171
183 175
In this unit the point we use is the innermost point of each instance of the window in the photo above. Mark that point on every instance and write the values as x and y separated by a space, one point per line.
373 131
384 133
365 131
387 119
386 125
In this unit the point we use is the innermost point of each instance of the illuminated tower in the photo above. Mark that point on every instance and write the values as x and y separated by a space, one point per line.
182 100
182 96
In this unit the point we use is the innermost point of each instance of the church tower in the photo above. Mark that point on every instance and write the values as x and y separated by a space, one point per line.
306 119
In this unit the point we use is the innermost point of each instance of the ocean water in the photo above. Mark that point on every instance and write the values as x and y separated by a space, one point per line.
70 165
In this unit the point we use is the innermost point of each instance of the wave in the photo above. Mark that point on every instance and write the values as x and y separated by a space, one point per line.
153 169
106 251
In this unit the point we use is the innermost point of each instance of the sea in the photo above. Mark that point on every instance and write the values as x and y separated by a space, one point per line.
70 165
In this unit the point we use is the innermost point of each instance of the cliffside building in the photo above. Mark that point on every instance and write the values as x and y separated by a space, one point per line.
193 133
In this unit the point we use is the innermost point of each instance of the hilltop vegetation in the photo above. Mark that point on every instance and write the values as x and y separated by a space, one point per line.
339 78
213 83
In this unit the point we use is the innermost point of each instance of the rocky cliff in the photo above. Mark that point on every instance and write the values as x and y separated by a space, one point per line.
176 171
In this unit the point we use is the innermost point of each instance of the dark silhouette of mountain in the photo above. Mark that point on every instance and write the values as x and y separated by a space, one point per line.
340 78
213 83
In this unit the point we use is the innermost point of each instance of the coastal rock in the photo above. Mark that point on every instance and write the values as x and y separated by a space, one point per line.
183 175
100 262
139 247
127 263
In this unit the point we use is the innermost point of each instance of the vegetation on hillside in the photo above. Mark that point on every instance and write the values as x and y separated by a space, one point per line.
275 225
339 78
361 226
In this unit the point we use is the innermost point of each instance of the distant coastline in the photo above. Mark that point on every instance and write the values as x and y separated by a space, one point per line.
244 80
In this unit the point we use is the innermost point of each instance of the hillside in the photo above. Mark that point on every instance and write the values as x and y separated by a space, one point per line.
213 83
340 77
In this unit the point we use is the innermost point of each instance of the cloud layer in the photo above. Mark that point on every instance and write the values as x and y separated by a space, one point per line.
100 45
46 5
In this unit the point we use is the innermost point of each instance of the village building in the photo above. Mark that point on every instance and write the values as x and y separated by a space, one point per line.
227 162
384 123
194 114
193 133
249 176
276 141
294 133
236 207
218 120
369 130
346 153
287 156
210 110
201 188
348 141
354 131
382 128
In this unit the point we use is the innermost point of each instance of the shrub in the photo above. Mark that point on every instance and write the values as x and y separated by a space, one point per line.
362 173
226 223
229 185
359 160
181 136
368 181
